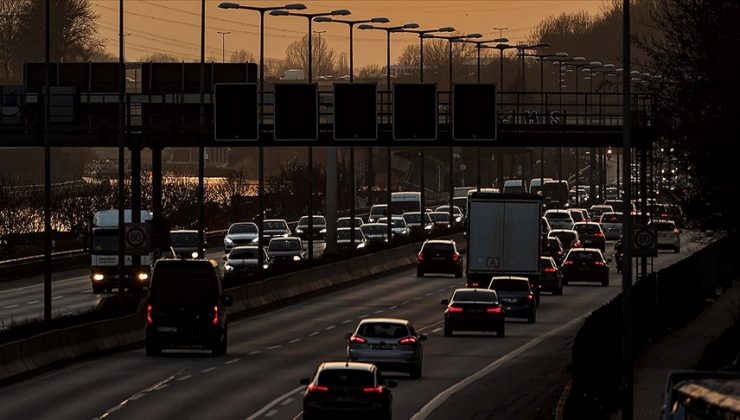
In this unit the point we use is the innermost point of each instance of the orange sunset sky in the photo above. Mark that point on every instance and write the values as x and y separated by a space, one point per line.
172 26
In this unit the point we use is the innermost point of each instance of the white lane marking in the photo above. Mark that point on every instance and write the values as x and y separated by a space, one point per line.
330 327
32 302
57 283
293 341
136 396
443 396
232 361
392 307
210 369
287 401
57 297
379 311
346 321
275 402
405 302
429 294
314 333
185 378
417 298
364 316
271 413
161 386
440 290
430 325
11 306
252 353
298 416
451 286
437 330
275 347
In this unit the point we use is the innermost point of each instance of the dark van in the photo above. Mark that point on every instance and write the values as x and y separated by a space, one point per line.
186 307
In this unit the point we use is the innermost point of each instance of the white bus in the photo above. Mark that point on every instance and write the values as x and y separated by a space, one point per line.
402 202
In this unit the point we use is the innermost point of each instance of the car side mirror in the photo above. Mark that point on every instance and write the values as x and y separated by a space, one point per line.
225 258
228 300
305 381
608 260
348 335
391 384
445 302
423 337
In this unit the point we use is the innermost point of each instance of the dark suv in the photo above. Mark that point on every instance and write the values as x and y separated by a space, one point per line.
186 307
439 256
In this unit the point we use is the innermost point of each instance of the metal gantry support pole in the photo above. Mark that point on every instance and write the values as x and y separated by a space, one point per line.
261 153
121 155
201 149
47 164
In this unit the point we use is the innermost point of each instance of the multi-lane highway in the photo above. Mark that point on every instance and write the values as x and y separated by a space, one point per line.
23 299
270 352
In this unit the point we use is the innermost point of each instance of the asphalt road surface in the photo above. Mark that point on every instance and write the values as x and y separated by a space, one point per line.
268 354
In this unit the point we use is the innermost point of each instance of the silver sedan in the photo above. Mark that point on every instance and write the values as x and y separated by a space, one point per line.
391 344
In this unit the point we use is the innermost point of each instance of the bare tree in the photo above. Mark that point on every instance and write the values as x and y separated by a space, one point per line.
160 58
242 56
296 55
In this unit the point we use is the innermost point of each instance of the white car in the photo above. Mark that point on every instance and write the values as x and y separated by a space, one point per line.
559 219
240 234
398 226
611 224
669 235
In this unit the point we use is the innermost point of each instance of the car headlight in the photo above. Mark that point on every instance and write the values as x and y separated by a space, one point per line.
228 267
228 240
194 254
322 231
296 258
286 234
98 277
256 240
298 230
458 219
142 276
361 245
265 266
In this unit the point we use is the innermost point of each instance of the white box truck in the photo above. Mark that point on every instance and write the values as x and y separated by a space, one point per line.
503 232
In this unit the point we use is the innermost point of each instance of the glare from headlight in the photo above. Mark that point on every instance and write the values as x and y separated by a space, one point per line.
227 267
143 276
265 266
228 240
194 254
98 277
299 231
296 258
322 231
255 240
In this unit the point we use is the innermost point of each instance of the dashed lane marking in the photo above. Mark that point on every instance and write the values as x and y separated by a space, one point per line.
252 353
379 311
275 402
184 378
287 401
437 330
210 369
232 361
346 321
313 333
32 302
11 306
293 341
392 307
271 413
275 347
330 327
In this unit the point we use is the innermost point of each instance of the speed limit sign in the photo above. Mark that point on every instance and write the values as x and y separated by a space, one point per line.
137 238
645 241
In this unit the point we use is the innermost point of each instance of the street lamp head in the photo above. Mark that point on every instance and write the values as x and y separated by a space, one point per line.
501 40
366 26
540 45
503 46
340 12
279 13
586 70
428 36
521 46
446 29
609 66
595 63
295 6
227 5
411 26
322 19
473 35
561 54
579 58
380 20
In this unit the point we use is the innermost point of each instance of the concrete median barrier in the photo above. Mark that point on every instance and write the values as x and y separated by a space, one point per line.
36 352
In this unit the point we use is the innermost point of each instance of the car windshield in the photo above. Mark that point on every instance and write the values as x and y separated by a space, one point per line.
243 254
412 218
105 240
183 285
343 223
399 207
589 228
344 235
239 228
437 247
378 210
317 220
475 296
284 245
512 285
383 330
440 217
611 218
275 226
374 230
346 378
617 206
577 216
558 215
584 256
446 209
565 237
546 262
663 226
399 223
184 239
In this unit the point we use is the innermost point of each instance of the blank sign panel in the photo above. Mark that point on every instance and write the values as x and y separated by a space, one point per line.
474 111
355 111
415 111
296 111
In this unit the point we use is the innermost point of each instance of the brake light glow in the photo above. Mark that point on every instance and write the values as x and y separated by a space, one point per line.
473 284
149 314
377 389
494 310
454 309
215 315
407 340
455 257
567 262
420 256
600 263
560 252
317 388
357 339
663 214
530 297
598 235
550 269
675 230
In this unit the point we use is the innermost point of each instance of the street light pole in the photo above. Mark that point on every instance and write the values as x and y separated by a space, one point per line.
318 65
223 45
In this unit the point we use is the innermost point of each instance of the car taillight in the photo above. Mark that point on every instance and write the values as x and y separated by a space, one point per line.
407 340
600 263
455 257
215 315
377 389
560 252
420 256
472 284
663 214
494 310
149 314
317 388
530 297
550 269
357 339
567 262
455 309
598 235
675 230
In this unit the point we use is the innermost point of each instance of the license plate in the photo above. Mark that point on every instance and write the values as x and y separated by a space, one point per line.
476 310
382 346
346 399
438 258
167 329
510 300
